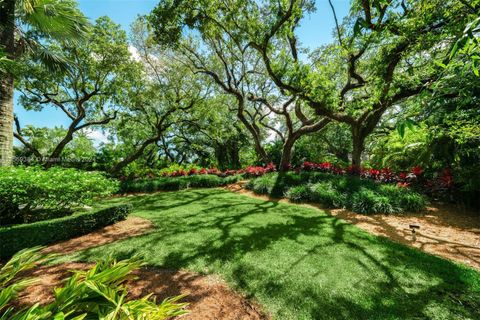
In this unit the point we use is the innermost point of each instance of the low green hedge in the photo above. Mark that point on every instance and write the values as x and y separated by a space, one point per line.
18 237
26 193
177 183
359 195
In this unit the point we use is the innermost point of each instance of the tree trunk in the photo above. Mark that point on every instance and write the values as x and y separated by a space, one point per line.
132 157
287 153
358 139
234 155
7 42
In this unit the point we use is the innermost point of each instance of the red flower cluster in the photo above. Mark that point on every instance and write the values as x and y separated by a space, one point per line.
442 182
252 171
383 175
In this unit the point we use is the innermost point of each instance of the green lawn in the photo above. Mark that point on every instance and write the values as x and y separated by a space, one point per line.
299 263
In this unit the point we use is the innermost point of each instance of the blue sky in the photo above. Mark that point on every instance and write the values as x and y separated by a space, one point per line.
315 30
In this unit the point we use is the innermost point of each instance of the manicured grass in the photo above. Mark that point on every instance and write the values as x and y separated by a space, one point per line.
298 262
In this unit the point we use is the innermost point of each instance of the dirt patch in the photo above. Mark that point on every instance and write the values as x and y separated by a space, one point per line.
445 230
132 226
208 297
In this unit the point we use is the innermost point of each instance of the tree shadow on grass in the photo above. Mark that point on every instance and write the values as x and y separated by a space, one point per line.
299 262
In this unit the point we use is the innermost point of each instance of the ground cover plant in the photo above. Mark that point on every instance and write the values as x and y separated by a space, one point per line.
97 293
298 262
334 191
32 193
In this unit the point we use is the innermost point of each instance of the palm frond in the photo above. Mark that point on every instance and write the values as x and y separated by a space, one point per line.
58 19
53 61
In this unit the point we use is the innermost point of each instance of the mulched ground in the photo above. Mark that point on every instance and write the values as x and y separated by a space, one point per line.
209 298
445 230
132 226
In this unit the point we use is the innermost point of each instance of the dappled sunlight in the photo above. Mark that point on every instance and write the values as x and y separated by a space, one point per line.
288 256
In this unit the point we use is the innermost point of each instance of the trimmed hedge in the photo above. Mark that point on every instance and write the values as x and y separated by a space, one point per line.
18 237
359 195
27 193
177 183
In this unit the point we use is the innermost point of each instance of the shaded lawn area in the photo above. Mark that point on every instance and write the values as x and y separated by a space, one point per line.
298 262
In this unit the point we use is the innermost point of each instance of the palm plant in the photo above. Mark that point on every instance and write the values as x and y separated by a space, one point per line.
24 25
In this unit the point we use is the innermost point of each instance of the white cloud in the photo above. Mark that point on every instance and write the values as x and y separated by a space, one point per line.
96 135
134 52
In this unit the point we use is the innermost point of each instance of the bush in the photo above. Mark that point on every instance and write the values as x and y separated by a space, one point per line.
404 197
97 293
301 193
325 193
262 185
203 181
15 238
359 195
177 183
27 190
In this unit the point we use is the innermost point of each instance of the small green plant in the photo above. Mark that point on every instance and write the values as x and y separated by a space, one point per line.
262 185
98 293
301 193
326 194
26 191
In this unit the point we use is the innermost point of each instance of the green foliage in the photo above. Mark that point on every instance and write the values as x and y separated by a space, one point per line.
26 190
301 193
262 185
327 195
362 196
15 238
9 286
297 262
98 293
368 201
177 183
45 140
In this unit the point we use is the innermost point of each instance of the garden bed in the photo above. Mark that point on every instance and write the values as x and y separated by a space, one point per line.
208 296
132 226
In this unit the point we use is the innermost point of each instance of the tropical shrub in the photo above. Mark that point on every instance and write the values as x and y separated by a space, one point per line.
98 293
18 237
351 192
326 194
262 185
301 193
28 191
368 201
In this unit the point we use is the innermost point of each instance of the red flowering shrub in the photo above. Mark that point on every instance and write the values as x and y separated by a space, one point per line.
440 184
446 178
255 171
417 171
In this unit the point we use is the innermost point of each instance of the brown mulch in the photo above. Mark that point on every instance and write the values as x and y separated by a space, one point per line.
132 226
445 230
208 297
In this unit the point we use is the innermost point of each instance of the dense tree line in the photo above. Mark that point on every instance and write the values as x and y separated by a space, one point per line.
228 83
